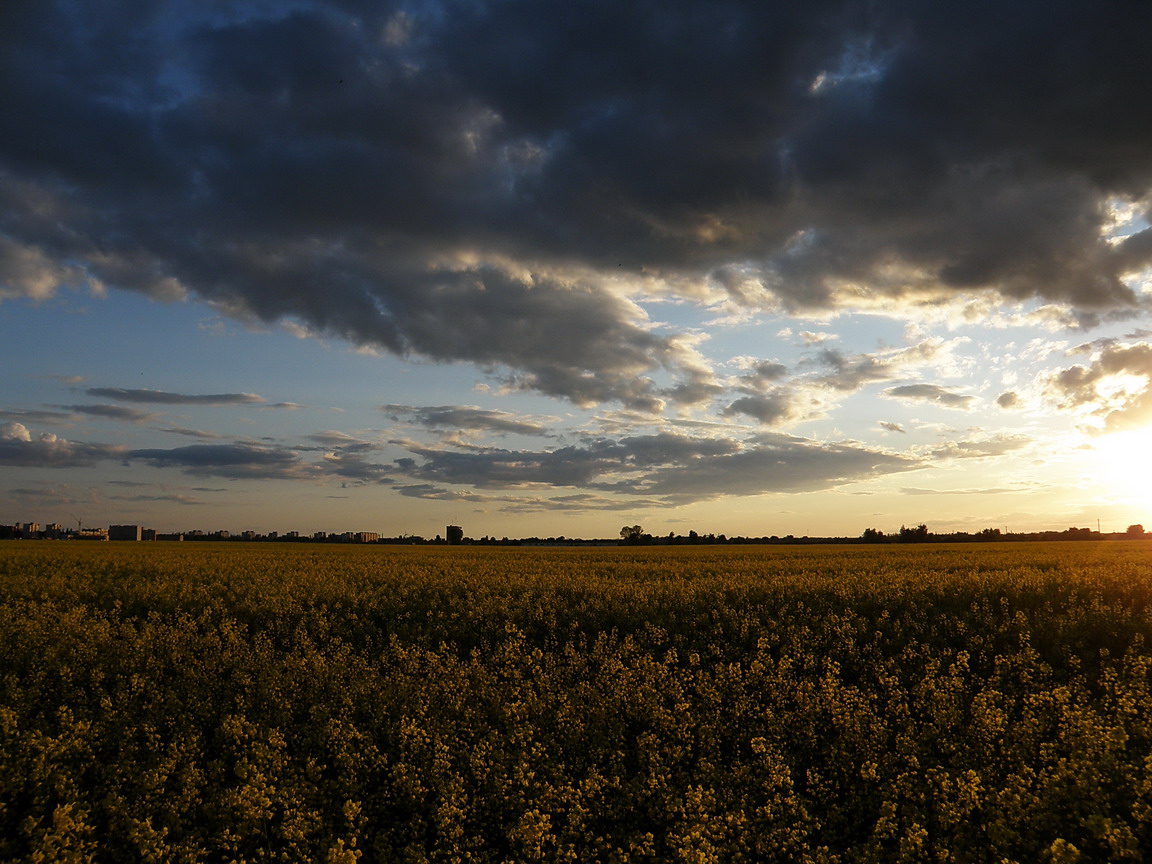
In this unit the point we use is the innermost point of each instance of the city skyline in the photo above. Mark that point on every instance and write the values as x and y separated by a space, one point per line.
545 269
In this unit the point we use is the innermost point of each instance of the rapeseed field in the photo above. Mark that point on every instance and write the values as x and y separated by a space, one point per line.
260 702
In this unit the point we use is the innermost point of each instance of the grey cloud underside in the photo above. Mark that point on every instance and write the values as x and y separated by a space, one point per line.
149 499
33 416
463 181
160 397
231 461
665 467
777 464
981 449
465 418
931 393
113 412
647 470
774 402
673 468
769 409
191 433
1080 386
54 454
850 372
20 449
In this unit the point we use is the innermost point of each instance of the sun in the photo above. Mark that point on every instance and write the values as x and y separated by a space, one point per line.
1122 465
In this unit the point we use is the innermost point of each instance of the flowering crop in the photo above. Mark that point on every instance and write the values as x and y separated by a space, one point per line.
261 702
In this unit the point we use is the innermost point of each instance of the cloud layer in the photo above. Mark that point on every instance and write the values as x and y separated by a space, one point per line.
674 468
497 183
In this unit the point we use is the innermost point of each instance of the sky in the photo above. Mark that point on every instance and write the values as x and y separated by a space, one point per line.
549 268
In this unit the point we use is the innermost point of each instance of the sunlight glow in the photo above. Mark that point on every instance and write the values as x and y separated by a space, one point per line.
1121 464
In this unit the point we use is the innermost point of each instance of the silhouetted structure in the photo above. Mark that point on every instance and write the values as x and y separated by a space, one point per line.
454 534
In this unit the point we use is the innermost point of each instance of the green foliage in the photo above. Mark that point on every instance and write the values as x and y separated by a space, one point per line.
824 704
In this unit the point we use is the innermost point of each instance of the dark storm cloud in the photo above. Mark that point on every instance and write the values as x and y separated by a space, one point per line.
469 181
465 418
163 398
930 393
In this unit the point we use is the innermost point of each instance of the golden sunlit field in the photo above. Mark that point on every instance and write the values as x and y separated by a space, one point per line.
259 702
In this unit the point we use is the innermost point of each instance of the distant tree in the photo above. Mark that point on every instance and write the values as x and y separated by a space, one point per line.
1136 530
872 535
454 534
919 534
631 533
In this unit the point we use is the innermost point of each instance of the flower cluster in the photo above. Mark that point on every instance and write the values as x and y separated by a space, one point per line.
822 704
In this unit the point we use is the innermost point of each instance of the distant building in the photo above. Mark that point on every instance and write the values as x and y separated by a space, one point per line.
367 536
454 534
179 538
320 535
91 534
124 532
30 529
148 534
